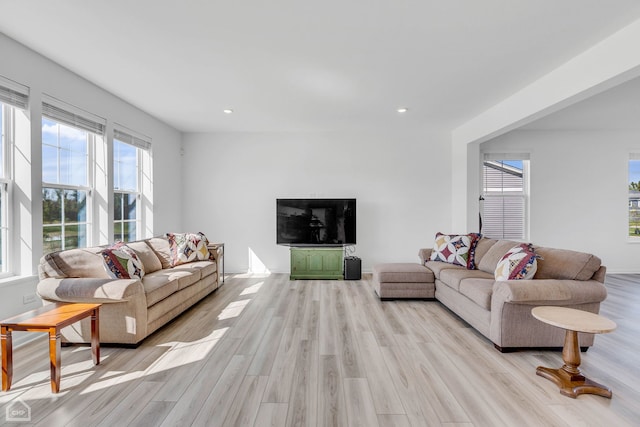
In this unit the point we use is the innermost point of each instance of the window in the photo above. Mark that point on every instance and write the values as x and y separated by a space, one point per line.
128 153
125 191
65 188
634 195
68 139
5 120
504 202
13 98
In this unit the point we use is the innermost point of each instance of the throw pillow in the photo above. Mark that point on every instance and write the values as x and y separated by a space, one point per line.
458 249
520 262
121 262
187 247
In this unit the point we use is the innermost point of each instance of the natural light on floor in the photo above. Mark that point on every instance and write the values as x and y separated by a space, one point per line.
252 289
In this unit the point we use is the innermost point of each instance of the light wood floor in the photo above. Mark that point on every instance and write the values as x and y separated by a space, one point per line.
264 351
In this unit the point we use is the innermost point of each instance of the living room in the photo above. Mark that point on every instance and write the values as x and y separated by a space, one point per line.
413 174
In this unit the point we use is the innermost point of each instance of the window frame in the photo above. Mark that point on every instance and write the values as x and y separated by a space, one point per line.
524 194
142 146
88 188
633 156
137 194
7 113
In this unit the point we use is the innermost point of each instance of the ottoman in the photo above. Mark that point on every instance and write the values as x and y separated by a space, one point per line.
403 280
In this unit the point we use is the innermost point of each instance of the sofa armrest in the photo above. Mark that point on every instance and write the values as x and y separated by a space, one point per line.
90 290
548 292
215 251
425 255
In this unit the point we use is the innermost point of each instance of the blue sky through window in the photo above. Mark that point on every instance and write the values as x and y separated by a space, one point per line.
513 163
64 154
125 162
634 170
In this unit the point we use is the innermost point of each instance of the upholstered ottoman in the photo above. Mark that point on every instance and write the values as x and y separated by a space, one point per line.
403 280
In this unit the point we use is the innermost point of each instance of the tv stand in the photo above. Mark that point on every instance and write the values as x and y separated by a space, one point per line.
316 263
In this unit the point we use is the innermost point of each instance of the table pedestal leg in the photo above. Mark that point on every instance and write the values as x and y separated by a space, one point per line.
7 358
95 337
54 356
569 378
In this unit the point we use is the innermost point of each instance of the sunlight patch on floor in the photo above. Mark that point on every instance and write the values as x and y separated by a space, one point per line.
252 289
234 309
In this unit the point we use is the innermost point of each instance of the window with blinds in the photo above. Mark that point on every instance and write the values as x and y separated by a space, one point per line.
504 194
69 136
634 195
127 172
13 98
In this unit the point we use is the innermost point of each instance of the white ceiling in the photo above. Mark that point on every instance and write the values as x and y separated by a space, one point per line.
295 65
615 109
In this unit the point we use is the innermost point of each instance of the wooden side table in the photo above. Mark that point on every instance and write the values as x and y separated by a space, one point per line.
50 318
569 378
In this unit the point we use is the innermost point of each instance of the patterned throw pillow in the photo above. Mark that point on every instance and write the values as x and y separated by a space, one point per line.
121 262
187 247
458 249
520 262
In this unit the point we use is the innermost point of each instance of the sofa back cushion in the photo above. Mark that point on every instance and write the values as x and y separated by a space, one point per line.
160 246
493 254
81 262
566 264
482 247
148 257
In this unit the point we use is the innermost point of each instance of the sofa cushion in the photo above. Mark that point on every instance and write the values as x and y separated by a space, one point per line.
519 263
482 247
148 257
478 291
158 285
452 277
121 262
457 249
495 253
81 262
402 273
187 274
160 246
566 264
438 267
205 268
187 247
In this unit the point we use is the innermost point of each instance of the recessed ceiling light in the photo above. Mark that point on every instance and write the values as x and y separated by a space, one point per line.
402 110
228 111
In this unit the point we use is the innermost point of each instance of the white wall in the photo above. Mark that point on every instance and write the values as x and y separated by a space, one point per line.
579 197
44 76
400 181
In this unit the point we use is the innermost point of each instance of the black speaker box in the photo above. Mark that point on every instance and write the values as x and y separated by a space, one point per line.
352 268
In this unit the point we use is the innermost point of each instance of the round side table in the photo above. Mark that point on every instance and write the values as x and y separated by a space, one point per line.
569 378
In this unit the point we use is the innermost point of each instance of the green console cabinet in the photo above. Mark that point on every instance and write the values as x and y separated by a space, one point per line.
317 263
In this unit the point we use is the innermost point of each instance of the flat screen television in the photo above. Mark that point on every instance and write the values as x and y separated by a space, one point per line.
316 222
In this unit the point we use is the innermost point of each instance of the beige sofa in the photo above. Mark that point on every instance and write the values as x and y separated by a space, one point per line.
501 310
132 309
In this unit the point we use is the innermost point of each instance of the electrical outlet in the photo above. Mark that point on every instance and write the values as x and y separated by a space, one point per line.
29 299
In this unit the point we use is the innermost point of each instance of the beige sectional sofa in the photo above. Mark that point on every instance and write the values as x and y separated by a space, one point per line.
501 310
132 308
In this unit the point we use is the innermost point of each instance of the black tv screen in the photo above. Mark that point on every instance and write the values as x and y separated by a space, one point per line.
316 222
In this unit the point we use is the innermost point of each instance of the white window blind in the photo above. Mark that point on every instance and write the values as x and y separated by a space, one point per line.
130 138
13 93
71 115
505 197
